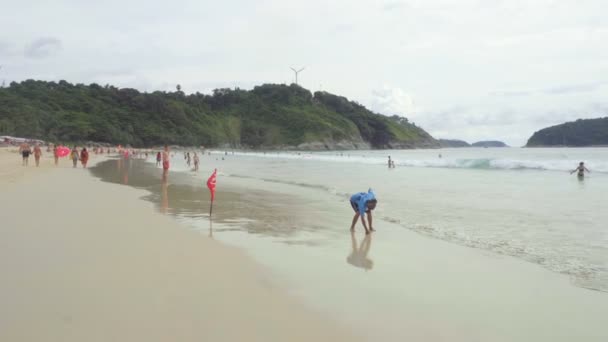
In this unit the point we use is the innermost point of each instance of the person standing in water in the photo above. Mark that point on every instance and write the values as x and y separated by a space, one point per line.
158 159
74 157
188 160
581 170
84 157
165 162
390 162
362 203
37 154
196 161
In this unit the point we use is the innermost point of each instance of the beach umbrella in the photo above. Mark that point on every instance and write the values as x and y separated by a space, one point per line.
63 151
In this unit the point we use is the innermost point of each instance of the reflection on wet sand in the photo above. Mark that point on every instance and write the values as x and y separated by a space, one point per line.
358 257
164 201
251 211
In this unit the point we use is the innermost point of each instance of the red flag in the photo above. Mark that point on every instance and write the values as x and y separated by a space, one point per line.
211 184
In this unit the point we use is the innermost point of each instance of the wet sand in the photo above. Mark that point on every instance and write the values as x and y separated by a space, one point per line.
85 260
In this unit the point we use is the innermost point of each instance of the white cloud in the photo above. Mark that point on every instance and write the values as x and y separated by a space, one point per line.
42 47
392 101
459 68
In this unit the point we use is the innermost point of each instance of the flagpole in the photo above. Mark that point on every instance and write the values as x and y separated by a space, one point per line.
211 185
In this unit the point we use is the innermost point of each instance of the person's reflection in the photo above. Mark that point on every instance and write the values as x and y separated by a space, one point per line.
164 201
358 257
125 173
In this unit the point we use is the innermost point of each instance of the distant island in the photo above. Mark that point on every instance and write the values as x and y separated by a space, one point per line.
270 116
453 143
579 133
490 143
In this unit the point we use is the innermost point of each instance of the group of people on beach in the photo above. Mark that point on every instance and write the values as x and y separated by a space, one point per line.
26 151
190 160
164 157
75 156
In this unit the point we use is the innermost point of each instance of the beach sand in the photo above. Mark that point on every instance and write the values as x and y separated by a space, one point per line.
84 260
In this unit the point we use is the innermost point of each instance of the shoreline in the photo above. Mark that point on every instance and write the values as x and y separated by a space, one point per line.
85 260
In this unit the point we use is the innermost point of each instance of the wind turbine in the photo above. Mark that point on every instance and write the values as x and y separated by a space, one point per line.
297 72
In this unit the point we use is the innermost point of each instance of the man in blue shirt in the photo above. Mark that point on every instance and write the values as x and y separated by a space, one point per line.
362 203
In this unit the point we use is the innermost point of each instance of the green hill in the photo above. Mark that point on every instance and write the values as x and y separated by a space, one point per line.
579 133
453 143
489 143
268 116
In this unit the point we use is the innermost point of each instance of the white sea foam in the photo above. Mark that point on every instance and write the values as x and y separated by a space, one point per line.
564 164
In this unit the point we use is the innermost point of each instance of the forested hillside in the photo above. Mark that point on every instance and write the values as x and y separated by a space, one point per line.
582 132
268 116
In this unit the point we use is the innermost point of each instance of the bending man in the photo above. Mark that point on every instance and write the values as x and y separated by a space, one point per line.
363 203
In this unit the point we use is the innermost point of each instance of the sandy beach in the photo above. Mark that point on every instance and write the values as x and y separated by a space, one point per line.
84 260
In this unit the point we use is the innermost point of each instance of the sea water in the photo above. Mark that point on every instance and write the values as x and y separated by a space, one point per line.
518 202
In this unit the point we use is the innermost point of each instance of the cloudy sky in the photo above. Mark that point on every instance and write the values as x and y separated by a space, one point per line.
468 69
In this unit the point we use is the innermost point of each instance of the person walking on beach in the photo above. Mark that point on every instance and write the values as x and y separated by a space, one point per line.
581 170
56 154
362 203
84 157
390 162
74 157
165 162
25 151
37 154
188 160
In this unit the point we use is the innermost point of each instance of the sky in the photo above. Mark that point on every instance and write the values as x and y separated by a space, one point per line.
462 69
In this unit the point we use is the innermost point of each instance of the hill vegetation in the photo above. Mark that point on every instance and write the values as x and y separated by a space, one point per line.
453 143
489 143
268 116
579 133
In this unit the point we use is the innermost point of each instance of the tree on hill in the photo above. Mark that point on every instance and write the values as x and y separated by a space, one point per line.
268 116
579 133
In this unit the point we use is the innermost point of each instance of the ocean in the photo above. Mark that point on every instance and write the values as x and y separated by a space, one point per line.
290 210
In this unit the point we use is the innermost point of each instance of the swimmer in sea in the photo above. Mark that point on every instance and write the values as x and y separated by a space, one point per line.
158 159
362 203
581 170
